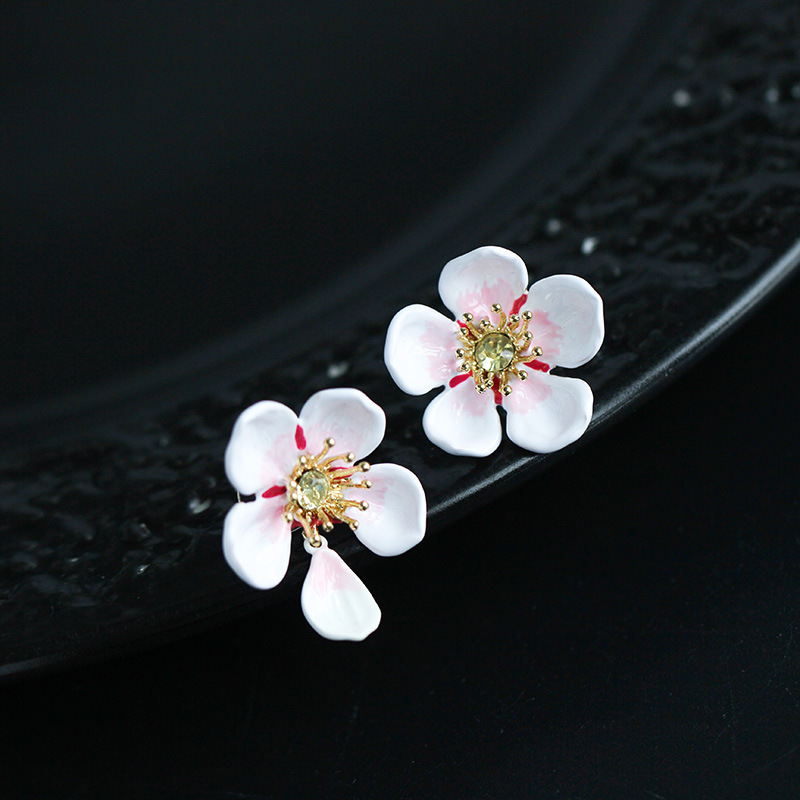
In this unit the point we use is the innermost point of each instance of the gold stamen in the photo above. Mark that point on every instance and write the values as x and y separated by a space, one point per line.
492 352
321 492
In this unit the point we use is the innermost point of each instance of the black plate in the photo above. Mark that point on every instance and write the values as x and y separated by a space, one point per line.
662 168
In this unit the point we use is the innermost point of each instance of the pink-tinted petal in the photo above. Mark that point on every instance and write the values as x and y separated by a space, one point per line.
256 541
476 280
396 517
348 415
335 602
420 350
567 319
463 422
262 449
547 412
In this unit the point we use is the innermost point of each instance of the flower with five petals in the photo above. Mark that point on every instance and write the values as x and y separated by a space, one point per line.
499 352
305 472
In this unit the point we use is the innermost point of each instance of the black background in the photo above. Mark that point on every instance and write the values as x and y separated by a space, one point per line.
173 171
623 626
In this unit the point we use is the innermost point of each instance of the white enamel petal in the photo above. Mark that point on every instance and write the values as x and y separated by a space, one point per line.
256 541
476 280
335 602
567 320
548 412
396 517
420 351
262 448
463 422
348 415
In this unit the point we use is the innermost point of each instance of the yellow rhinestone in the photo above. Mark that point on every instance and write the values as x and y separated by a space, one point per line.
312 489
495 352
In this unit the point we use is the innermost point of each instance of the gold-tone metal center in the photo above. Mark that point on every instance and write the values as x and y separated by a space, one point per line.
312 489
317 489
495 352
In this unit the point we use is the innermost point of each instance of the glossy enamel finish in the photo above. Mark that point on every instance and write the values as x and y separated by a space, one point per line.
335 601
257 535
672 192
563 315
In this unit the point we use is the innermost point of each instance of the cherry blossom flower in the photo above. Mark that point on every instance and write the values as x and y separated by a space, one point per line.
499 352
306 473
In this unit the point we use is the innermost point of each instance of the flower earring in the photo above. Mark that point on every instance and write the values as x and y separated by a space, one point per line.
306 474
499 352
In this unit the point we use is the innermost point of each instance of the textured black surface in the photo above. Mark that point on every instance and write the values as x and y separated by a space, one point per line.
675 208
636 638
172 172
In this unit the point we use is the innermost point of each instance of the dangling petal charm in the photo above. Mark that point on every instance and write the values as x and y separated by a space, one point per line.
334 600
502 349
305 474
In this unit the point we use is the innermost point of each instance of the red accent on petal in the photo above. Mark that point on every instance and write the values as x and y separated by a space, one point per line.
498 396
454 381
273 492
540 365
465 329
518 303
300 438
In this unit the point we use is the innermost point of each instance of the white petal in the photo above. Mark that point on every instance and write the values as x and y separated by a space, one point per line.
420 350
348 415
262 448
256 541
473 282
463 422
567 320
335 602
547 412
396 517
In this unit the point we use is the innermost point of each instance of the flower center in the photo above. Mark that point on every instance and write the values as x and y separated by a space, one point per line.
493 352
312 489
316 492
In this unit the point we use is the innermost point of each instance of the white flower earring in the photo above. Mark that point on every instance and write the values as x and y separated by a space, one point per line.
500 352
306 473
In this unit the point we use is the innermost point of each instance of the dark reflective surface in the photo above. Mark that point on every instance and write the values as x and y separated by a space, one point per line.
681 207
624 626
172 172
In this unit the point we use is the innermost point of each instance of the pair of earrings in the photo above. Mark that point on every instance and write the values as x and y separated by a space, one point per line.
307 472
